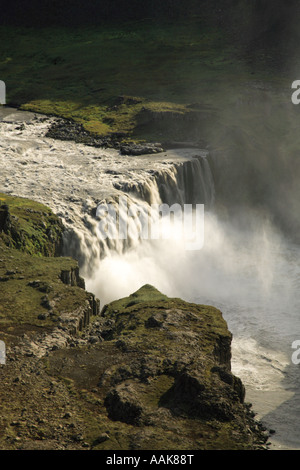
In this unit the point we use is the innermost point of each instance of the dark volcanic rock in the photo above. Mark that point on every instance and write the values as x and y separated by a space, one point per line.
123 405
64 129
141 149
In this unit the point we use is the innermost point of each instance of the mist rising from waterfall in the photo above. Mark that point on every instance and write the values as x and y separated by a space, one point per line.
234 265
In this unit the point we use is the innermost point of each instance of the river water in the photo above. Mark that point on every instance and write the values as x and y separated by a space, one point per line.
251 274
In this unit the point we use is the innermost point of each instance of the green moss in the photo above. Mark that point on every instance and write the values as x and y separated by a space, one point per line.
133 321
32 293
29 226
24 288
77 375
144 294
157 388
80 74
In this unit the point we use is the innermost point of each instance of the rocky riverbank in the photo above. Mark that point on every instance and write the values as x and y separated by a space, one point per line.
149 372
64 129
184 125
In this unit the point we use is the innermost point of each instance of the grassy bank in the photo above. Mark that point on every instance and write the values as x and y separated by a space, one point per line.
103 77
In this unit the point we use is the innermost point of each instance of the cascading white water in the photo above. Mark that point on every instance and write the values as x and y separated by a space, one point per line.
74 179
251 274
188 182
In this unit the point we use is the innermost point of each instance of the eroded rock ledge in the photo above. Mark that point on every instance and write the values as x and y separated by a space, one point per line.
43 298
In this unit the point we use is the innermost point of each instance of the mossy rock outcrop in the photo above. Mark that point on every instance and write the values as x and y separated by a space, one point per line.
29 226
40 291
160 379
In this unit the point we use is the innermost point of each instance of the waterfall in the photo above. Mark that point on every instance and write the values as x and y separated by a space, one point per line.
188 182
74 180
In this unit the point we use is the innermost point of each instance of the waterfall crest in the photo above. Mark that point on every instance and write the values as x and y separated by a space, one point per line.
74 179
188 182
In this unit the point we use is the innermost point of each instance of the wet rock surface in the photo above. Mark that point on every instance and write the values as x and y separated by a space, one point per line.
141 149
